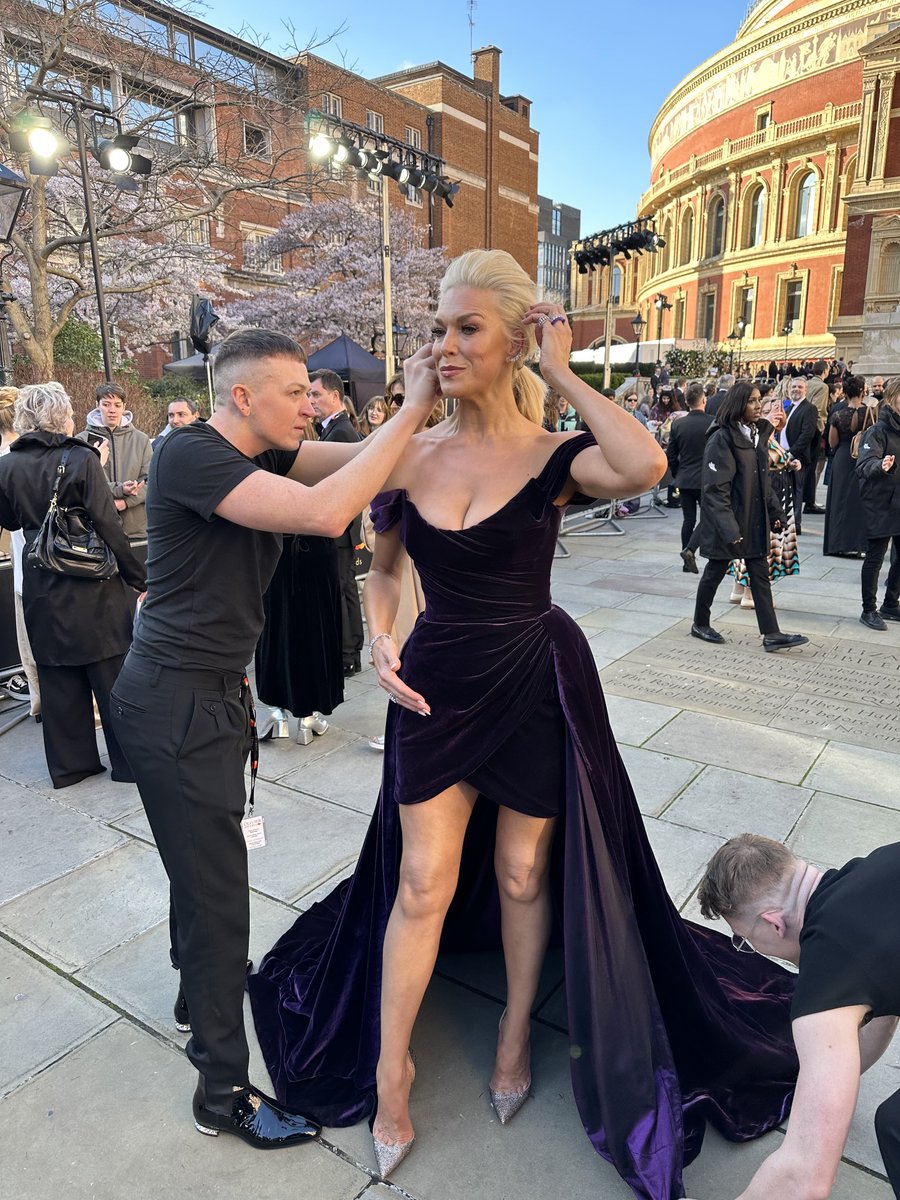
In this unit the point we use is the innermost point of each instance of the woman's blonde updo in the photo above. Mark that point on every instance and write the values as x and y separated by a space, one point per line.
498 272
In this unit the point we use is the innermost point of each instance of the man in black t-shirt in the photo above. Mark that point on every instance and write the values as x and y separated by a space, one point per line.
842 928
220 495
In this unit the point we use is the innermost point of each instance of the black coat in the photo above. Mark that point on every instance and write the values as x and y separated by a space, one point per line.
70 621
687 445
340 429
879 489
714 402
801 430
737 496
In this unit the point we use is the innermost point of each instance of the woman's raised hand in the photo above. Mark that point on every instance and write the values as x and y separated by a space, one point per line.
421 386
386 662
554 337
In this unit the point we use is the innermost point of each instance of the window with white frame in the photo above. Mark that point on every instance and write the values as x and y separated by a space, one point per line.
257 142
332 105
413 139
806 205
258 255
374 121
708 316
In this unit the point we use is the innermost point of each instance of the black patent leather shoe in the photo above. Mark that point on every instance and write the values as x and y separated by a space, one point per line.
257 1119
813 509
182 1015
352 668
706 633
783 641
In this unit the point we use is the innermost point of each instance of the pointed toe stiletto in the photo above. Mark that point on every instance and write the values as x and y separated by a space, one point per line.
389 1155
507 1104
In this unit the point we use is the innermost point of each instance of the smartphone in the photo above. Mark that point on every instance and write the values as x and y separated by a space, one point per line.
96 439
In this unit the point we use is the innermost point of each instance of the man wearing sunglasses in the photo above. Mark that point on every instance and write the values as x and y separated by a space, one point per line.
842 929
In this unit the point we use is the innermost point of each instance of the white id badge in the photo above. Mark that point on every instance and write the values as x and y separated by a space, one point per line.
254 831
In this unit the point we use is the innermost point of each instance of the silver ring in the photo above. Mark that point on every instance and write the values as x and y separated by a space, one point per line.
392 699
556 320
542 320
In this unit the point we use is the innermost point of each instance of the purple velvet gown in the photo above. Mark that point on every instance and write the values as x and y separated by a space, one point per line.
672 1026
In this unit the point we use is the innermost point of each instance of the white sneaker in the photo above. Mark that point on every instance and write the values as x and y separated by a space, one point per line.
16 687
377 743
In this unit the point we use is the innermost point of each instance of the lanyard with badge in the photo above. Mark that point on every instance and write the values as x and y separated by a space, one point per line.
253 828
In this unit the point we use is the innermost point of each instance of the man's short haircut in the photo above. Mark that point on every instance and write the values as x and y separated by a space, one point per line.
192 404
695 393
609 393
110 389
748 870
726 381
820 367
710 388
330 381
246 346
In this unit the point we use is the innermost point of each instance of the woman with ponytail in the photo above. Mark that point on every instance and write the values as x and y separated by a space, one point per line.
505 812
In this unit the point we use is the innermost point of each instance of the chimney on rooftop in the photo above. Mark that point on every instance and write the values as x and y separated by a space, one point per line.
486 66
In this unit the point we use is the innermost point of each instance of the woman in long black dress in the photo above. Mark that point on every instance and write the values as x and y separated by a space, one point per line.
502 775
845 527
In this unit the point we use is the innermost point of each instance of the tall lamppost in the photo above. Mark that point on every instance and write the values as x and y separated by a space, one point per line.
36 136
661 303
13 190
741 327
732 338
637 324
786 330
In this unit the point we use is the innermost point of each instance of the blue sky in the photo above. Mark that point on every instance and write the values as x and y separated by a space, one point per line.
596 72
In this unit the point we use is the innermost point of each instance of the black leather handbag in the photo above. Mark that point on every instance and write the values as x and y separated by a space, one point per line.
67 543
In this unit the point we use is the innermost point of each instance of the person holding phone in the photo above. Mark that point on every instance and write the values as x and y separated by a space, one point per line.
127 463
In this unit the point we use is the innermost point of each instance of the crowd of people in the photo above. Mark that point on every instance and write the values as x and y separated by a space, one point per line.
506 818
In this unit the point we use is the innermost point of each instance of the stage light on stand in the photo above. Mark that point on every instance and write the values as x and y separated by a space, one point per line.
322 146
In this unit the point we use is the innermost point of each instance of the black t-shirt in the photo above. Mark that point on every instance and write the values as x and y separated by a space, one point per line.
206 576
850 941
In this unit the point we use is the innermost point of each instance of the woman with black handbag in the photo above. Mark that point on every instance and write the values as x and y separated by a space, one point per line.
79 572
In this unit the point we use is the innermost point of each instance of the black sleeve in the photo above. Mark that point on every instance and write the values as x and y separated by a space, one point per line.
100 507
872 450
197 471
672 451
773 505
278 462
805 433
719 469
345 434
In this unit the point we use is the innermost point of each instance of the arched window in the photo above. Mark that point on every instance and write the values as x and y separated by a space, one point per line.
715 237
617 285
889 271
806 205
687 236
849 180
756 217
665 254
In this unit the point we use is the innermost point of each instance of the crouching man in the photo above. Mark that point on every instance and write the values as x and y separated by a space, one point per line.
842 928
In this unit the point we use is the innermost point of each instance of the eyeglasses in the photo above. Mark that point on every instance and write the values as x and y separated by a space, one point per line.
397 398
741 944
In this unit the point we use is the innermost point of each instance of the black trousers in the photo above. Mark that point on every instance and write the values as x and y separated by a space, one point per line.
67 721
351 613
887 1130
808 474
871 568
690 501
760 589
187 736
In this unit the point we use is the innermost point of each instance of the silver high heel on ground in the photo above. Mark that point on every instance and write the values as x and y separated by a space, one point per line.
507 1104
307 726
273 725
389 1155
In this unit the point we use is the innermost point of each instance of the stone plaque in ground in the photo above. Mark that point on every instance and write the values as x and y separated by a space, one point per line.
831 688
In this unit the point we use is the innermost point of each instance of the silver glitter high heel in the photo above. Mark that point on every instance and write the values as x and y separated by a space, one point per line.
389 1155
507 1104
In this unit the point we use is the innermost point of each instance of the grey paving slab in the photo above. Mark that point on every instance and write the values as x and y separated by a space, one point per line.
872 725
727 803
644 623
834 829
633 721
364 714
642 681
484 972
879 1082
97 797
772 753
137 1139
138 977
91 909
42 1016
656 777
43 840
670 606
790 620
352 780
279 756
23 759
307 899
869 775
614 643
682 855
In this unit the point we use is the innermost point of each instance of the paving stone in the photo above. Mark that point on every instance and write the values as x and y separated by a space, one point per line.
789 619
136 1138
864 724
656 778
364 714
23 759
670 606
641 681
138 976
880 1081
649 624
352 781
484 972
772 753
41 1017
279 756
682 855
633 721
868 775
307 899
834 829
85 913
42 840
615 643
727 803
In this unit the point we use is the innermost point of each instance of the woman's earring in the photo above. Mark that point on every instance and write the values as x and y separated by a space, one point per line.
514 357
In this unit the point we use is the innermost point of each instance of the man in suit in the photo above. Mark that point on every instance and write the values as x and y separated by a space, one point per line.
726 382
818 395
326 394
798 437
687 442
